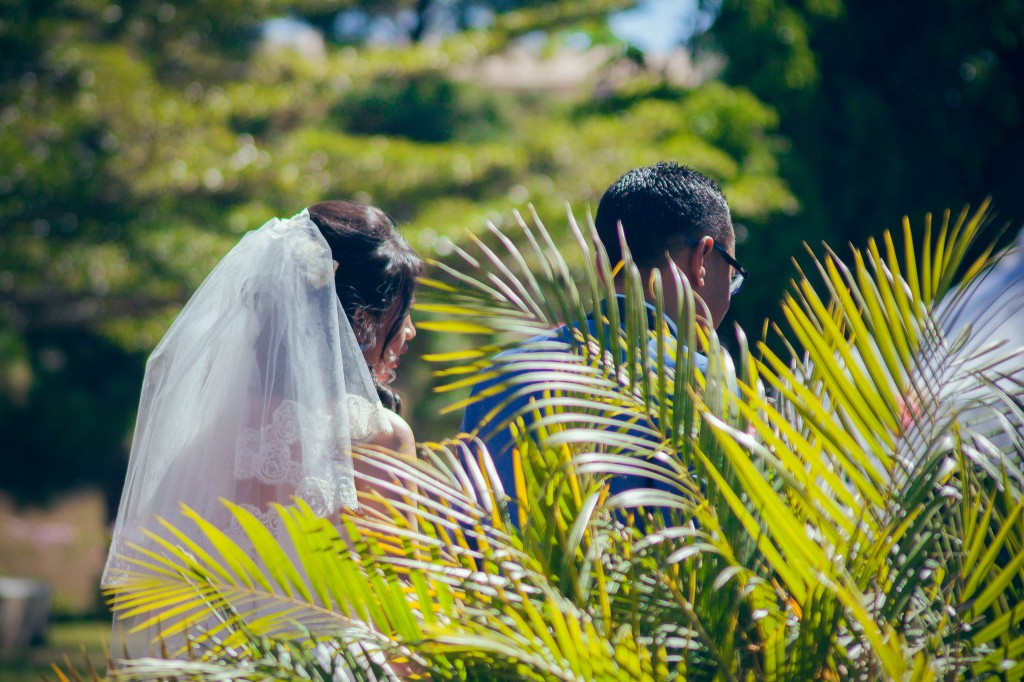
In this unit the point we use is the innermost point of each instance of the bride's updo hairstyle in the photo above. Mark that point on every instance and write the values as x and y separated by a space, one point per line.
376 274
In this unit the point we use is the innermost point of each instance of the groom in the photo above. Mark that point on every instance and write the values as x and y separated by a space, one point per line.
667 213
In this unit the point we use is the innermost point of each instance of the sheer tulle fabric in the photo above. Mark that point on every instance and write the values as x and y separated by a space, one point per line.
255 395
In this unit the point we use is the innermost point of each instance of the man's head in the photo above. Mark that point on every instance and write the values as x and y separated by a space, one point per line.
671 209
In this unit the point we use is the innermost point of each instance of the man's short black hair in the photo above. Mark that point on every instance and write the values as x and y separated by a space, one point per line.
660 207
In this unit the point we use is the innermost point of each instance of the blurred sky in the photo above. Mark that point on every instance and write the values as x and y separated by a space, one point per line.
654 26
657 26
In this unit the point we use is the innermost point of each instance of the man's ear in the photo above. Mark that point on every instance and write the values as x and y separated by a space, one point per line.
699 252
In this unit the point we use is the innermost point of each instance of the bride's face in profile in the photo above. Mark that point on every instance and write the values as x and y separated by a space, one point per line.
385 355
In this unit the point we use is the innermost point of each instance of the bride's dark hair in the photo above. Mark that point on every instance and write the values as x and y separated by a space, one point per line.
377 272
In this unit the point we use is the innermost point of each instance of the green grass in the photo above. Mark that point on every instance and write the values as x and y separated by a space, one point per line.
63 639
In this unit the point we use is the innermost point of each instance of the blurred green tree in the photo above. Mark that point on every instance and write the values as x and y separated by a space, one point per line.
891 108
138 141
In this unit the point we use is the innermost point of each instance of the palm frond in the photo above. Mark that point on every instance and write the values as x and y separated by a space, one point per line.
850 455
850 508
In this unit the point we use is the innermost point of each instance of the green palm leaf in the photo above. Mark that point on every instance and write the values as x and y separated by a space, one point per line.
846 509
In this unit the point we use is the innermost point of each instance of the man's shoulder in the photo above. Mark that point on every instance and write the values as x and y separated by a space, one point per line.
555 338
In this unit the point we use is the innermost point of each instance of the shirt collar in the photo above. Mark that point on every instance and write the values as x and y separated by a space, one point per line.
620 300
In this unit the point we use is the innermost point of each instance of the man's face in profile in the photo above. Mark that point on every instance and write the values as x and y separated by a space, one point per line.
704 264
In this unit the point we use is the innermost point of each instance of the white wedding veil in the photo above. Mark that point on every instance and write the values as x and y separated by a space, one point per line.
256 394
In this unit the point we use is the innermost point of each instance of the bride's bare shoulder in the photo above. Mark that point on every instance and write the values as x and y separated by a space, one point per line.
401 437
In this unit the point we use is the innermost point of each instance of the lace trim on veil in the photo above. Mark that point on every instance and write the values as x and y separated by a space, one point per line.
366 420
272 455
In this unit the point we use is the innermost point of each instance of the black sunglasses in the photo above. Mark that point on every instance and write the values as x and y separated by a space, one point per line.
738 277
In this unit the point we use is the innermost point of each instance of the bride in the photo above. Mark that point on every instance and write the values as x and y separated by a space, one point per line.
279 363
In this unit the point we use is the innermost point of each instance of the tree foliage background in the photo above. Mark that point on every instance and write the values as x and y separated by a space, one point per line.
139 140
889 108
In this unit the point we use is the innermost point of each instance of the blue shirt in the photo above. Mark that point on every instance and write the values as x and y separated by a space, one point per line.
498 438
